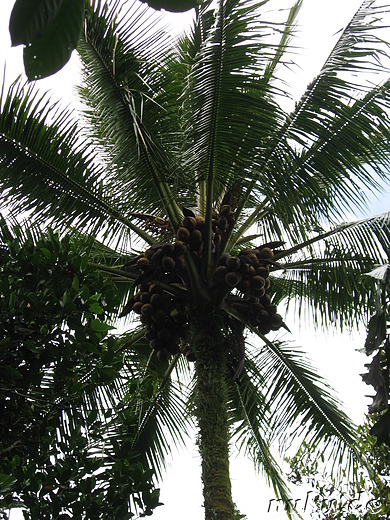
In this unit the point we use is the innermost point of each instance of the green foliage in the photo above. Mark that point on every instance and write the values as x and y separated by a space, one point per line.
49 31
56 357
378 342
176 6
365 496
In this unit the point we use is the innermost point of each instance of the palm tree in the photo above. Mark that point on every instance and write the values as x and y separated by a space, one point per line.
217 204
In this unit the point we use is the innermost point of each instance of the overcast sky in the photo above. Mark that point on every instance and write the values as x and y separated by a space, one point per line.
334 354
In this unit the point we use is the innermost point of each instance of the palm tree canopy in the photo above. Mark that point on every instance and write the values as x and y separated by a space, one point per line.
186 126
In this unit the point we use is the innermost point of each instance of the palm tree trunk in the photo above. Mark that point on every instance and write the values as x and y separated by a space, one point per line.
211 410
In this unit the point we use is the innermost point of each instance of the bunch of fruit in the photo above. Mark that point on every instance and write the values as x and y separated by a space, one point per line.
162 298
163 318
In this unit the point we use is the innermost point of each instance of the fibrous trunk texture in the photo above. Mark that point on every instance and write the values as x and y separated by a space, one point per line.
211 409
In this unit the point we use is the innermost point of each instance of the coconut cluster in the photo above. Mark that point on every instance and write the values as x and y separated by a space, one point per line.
192 230
161 299
163 313
165 321
249 274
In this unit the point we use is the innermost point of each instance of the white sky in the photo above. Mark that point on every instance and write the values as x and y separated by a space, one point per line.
333 354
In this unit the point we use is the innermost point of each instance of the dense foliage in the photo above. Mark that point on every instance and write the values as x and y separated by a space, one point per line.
59 453
365 497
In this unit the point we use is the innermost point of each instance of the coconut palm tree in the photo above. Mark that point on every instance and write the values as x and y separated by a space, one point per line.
215 204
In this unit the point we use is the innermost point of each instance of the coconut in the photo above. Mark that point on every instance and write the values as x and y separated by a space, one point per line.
137 307
183 234
200 222
262 316
168 263
253 259
144 297
257 282
263 271
190 223
276 321
222 223
272 308
143 262
233 263
223 258
149 253
165 335
159 316
259 292
156 299
147 309
196 237
179 248
154 288
151 334
265 300
264 328
253 321
167 249
220 272
157 257
232 278
244 286
225 210
251 271
266 252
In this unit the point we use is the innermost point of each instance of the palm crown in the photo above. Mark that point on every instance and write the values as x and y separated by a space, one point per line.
203 188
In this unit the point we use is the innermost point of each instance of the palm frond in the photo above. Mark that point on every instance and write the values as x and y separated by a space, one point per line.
162 419
123 93
300 400
304 168
219 92
250 417
324 275
48 170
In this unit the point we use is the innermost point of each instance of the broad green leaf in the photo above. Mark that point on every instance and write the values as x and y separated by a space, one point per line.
30 18
376 332
6 482
49 52
175 6
46 252
99 326
95 308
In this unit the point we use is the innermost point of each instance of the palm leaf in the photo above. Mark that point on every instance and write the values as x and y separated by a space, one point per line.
324 274
303 173
50 171
300 400
122 94
163 421
250 417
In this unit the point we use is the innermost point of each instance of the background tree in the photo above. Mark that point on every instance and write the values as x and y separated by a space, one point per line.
366 496
378 343
59 451
206 188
